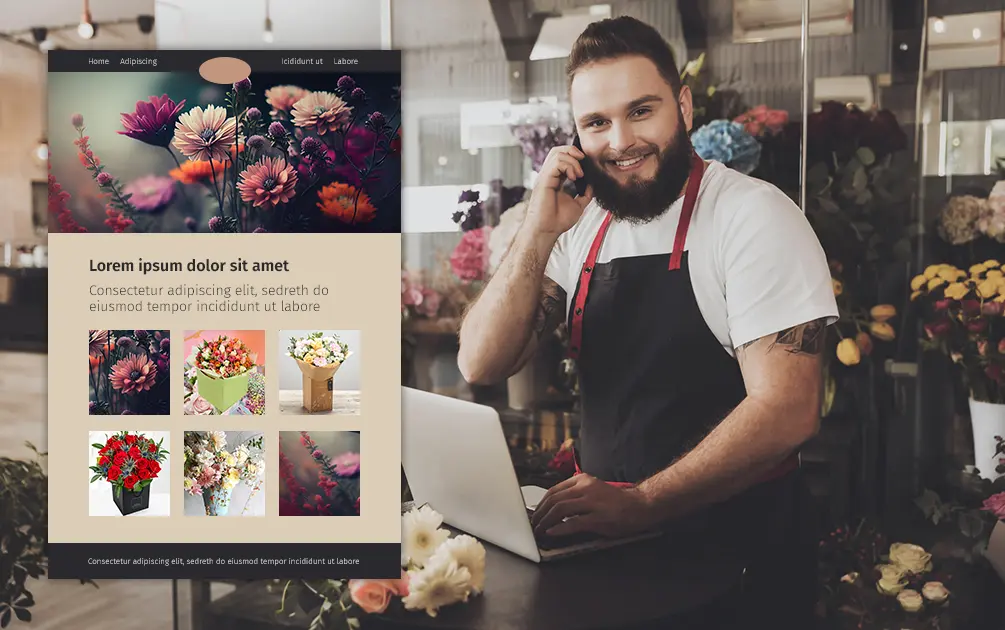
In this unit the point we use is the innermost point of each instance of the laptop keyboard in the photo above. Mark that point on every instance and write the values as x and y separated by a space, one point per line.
550 543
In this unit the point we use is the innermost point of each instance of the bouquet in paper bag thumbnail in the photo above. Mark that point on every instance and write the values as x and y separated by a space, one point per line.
130 462
319 472
223 373
212 471
281 153
319 356
129 372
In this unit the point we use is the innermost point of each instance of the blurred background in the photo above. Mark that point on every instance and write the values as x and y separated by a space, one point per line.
918 84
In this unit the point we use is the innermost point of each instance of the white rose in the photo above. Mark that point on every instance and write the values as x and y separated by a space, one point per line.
910 601
935 592
912 558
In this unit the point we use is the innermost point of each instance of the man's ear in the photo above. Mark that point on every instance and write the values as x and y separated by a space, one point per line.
686 106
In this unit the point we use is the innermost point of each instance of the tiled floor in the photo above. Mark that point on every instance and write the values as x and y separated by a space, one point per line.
66 604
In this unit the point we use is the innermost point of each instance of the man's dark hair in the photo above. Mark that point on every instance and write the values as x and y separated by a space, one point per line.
619 37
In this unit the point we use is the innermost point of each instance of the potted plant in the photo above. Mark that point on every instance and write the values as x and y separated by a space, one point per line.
24 530
129 462
962 313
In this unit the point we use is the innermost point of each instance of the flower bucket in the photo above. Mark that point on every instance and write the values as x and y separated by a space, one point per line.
995 552
222 393
988 420
130 502
319 385
217 500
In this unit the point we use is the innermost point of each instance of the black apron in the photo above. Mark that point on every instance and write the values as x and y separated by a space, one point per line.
654 381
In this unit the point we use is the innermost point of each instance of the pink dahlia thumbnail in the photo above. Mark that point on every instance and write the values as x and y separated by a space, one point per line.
268 183
205 134
133 374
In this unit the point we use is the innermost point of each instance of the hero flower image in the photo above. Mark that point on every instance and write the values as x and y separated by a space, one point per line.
129 372
276 152
224 372
130 462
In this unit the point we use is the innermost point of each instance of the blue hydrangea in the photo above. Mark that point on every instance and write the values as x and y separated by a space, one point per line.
727 142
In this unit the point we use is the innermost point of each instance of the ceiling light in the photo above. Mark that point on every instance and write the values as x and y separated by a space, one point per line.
442 161
903 46
939 25
42 151
267 35
145 23
977 33
87 28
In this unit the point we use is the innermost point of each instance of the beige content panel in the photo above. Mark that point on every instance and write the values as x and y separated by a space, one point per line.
361 273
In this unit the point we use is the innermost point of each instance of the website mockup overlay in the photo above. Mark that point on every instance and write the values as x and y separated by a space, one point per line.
225 247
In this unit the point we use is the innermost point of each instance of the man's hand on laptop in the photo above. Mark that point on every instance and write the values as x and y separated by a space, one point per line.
586 504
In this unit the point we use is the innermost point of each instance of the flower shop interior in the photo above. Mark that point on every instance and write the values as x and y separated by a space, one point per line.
884 120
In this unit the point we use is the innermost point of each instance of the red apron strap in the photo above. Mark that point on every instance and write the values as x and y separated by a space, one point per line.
690 197
576 330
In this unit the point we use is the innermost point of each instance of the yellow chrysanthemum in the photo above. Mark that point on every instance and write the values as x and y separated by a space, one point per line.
931 271
919 281
838 287
977 269
991 263
956 291
915 295
935 283
987 289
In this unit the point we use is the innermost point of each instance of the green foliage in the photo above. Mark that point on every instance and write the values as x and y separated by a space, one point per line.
24 529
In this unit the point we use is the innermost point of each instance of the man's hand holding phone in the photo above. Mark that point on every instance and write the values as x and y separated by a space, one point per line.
551 209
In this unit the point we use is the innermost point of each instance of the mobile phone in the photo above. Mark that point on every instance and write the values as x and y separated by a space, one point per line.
581 183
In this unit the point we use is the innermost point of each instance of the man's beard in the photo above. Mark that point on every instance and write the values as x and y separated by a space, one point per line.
640 201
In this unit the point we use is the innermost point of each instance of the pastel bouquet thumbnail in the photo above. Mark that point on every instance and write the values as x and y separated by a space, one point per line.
212 471
319 356
129 462
223 367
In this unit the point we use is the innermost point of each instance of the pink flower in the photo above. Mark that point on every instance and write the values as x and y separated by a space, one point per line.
152 121
373 596
268 183
470 258
996 505
150 193
198 406
205 134
430 304
346 464
760 119
133 374
282 97
321 111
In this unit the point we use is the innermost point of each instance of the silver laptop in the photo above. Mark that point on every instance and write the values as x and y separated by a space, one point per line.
457 461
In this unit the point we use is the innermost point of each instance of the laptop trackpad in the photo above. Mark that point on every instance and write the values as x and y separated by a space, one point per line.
532 495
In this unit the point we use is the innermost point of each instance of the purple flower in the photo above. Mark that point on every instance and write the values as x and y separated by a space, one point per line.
377 121
346 464
243 85
151 193
153 121
126 343
165 344
191 224
277 130
358 94
468 196
90 406
127 413
311 147
346 83
317 454
259 230
253 113
140 334
215 224
256 142
103 179
77 120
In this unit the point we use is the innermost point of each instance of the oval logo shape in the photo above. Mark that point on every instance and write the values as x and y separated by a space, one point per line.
224 70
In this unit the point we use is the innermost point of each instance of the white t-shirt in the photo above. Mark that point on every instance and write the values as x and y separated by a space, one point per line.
756 265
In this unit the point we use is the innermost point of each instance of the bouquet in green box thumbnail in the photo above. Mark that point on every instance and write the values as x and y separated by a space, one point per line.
223 366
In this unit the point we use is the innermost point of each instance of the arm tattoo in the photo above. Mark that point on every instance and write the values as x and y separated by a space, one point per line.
805 338
550 309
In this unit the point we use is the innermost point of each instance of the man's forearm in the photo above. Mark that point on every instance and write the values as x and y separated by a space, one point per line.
755 438
499 325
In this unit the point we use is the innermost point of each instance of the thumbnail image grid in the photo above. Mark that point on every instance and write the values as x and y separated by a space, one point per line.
275 152
129 372
129 473
319 473
224 473
319 372
224 373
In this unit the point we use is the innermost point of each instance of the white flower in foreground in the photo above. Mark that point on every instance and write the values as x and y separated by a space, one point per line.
422 534
440 583
468 553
